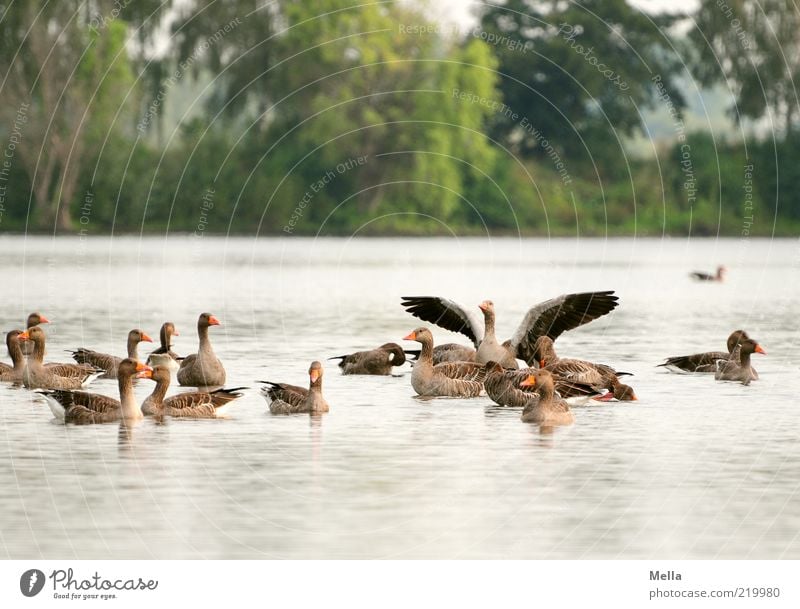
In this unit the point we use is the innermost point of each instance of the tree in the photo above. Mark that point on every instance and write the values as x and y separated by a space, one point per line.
754 48
577 73
66 69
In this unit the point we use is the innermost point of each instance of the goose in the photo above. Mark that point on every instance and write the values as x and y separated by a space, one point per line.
718 276
36 375
83 408
165 335
453 379
549 318
545 407
190 405
581 371
504 387
291 399
707 362
378 361
108 362
13 374
202 369
737 366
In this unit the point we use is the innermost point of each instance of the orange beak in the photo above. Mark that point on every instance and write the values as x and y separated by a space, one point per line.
213 321
634 398
314 374
24 336
529 382
143 371
175 333
412 336
43 320
146 338
759 349
542 363
482 307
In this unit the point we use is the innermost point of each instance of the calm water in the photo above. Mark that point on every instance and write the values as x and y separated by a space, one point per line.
695 469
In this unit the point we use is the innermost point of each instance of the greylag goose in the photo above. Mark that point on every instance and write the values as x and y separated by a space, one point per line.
36 375
545 407
202 369
13 374
190 405
549 318
291 399
82 408
737 366
165 335
453 379
718 276
34 319
580 371
707 362
108 362
504 386
378 361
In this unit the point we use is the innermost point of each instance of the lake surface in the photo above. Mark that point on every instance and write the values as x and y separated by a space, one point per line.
694 469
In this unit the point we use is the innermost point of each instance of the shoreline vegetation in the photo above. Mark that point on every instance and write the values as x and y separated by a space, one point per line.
344 118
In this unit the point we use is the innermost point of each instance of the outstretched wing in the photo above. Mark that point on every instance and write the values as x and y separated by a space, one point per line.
557 315
445 314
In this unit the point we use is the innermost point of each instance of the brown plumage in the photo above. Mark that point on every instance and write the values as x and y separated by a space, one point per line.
545 407
578 370
83 408
549 318
191 404
202 369
38 376
454 379
737 366
504 386
378 361
718 276
34 319
108 362
707 361
291 399
13 374
165 336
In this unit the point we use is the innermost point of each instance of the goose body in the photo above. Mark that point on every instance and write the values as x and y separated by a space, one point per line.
108 362
171 360
504 387
36 375
189 405
737 367
719 276
453 379
291 399
13 373
378 361
83 408
707 361
545 407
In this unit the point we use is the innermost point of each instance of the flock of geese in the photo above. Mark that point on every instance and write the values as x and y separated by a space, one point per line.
544 389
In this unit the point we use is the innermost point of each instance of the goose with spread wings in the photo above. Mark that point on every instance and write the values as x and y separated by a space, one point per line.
549 318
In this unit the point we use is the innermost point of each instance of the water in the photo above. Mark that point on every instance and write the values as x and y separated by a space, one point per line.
694 469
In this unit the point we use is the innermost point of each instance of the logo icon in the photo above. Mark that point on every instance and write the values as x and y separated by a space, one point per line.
31 582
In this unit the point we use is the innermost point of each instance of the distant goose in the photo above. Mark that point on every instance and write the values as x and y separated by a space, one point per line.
84 408
202 369
549 318
191 405
737 366
37 375
453 379
581 371
718 276
707 362
291 399
165 335
378 361
545 407
108 362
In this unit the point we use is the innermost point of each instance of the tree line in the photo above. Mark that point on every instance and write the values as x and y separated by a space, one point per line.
342 117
